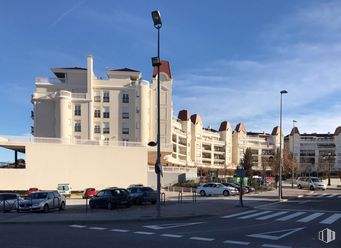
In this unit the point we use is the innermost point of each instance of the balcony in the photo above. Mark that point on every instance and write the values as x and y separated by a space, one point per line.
32 114
46 80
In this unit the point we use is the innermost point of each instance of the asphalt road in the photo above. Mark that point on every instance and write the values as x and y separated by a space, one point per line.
295 223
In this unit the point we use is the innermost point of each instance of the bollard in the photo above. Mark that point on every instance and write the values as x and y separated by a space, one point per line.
86 204
194 196
163 198
180 197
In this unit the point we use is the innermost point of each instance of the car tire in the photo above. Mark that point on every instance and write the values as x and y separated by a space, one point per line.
153 202
312 188
202 193
128 205
299 186
62 206
46 208
226 193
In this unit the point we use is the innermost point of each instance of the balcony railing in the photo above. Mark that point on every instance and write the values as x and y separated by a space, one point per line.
49 80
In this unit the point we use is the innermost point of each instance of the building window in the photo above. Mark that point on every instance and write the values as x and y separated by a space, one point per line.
106 113
97 113
106 128
97 96
125 115
78 110
125 98
106 96
125 130
78 127
97 128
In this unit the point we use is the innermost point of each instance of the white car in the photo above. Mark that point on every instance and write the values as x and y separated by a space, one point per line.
311 183
215 189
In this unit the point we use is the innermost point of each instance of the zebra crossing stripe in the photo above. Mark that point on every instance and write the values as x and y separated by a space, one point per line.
310 217
254 215
330 196
238 214
266 217
291 216
331 219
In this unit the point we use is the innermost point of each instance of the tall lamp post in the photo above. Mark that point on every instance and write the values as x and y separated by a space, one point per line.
328 158
280 195
157 62
293 155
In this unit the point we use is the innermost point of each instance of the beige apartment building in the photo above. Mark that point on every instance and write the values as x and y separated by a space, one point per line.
314 152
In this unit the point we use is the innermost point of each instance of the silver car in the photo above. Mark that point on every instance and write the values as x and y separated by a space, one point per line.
9 201
43 201
311 183
216 189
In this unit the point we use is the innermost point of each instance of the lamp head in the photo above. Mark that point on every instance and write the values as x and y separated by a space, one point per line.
156 19
284 92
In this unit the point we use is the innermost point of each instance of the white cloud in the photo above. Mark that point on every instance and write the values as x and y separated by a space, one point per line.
296 60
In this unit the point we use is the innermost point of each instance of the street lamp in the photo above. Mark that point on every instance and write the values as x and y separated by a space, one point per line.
293 155
329 157
157 62
280 194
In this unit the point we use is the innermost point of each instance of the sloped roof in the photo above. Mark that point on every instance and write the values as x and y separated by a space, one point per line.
276 131
164 67
183 115
72 68
224 126
124 69
337 131
195 119
240 128
294 130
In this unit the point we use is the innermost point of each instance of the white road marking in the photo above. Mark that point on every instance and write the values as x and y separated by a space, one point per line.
98 228
119 230
201 239
173 225
266 217
236 242
275 246
330 196
254 215
77 226
271 236
331 219
171 235
290 216
310 217
144 233
238 214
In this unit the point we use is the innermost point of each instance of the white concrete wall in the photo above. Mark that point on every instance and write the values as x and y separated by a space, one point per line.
80 165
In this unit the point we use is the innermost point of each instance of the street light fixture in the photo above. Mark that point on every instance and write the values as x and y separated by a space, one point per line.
157 62
328 158
280 194
293 155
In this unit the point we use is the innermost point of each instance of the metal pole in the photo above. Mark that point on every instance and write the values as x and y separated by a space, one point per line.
280 153
293 156
158 203
329 171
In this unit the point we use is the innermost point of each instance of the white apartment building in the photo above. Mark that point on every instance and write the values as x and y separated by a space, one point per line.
314 151
263 145
121 107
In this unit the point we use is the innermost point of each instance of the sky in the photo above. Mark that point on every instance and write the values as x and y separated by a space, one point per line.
229 59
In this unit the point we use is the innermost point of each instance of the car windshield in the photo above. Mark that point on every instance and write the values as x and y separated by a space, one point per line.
38 196
63 187
316 180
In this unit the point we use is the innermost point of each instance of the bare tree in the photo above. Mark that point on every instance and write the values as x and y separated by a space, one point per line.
246 162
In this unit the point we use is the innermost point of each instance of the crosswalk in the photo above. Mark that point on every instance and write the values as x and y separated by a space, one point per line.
297 216
319 195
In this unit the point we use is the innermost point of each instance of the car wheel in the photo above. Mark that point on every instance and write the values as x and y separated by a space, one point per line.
311 188
202 193
62 206
153 202
299 186
226 193
46 208
128 205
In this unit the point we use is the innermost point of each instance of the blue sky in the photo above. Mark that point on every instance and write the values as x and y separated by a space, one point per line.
229 59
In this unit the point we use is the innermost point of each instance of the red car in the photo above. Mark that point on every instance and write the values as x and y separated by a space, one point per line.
89 192
32 190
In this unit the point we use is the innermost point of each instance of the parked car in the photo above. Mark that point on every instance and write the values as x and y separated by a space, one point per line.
64 189
43 201
236 186
110 198
250 188
311 183
9 201
139 195
89 192
32 190
215 189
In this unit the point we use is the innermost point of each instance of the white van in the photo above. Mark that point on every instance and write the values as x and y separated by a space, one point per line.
64 189
311 183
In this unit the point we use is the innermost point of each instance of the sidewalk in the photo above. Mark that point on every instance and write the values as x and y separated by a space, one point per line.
203 207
